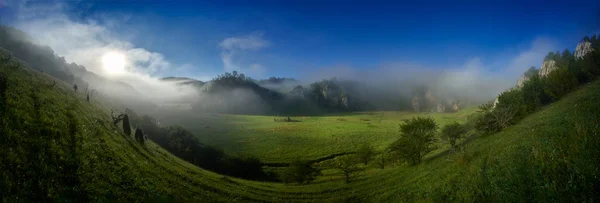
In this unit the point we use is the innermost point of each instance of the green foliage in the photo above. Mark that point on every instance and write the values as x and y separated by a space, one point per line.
453 132
126 125
348 165
365 153
560 82
417 136
534 95
531 72
382 159
301 172
139 135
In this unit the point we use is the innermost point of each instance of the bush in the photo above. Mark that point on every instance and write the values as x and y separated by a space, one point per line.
301 172
365 153
453 132
382 159
533 94
560 82
347 164
126 125
139 135
416 140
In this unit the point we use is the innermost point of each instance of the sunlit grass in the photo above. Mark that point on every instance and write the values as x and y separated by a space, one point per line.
306 137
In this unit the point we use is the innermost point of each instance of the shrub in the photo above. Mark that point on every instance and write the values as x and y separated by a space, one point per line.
533 93
347 164
365 153
126 125
416 140
382 159
139 135
453 132
560 82
301 172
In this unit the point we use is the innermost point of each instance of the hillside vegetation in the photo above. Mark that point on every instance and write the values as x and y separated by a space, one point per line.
57 146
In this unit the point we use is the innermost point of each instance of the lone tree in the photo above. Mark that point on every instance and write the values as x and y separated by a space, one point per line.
126 125
347 164
139 135
365 153
417 136
75 87
453 132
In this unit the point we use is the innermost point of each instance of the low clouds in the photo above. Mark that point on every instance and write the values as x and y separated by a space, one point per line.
234 53
533 56
86 41
476 78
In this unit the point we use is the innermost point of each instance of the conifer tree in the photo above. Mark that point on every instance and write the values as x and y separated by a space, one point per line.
126 126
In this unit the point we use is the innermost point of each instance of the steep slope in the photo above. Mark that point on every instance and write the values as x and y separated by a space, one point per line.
55 145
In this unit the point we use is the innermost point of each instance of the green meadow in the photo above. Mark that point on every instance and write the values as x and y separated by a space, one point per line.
272 140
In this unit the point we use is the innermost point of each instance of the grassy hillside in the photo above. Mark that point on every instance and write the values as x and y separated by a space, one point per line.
55 145
272 140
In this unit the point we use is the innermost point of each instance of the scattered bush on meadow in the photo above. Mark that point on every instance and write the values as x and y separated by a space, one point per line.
365 153
417 137
301 172
348 165
382 159
453 132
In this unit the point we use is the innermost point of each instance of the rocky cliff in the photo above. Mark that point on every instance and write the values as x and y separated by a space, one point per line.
547 67
582 49
522 81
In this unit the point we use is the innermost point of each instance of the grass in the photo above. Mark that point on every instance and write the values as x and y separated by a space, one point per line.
274 141
551 155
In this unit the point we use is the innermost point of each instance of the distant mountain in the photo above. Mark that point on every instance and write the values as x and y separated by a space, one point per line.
282 85
183 81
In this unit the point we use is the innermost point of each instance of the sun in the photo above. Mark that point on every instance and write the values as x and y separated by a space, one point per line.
114 62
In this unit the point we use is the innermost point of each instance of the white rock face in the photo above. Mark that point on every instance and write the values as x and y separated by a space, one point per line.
495 103
582 49
441 108
547 67
522 81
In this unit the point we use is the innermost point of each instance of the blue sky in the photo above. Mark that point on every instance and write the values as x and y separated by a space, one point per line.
293 39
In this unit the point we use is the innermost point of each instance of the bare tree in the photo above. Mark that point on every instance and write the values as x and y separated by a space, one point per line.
503 116
116 119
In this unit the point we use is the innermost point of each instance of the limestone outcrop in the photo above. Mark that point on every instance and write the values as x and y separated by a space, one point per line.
547 67
582 49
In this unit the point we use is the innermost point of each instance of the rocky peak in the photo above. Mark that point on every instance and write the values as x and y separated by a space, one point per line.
441 108
416 103
582 49
547 67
